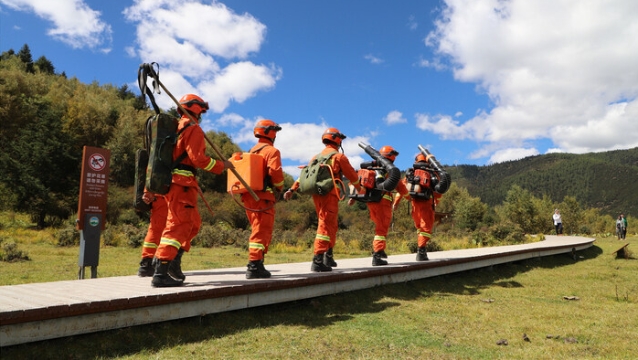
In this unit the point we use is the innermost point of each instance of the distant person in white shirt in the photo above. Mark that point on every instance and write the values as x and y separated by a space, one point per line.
558 222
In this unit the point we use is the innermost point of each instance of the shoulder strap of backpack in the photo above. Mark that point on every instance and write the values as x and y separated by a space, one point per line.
183 155
323 158
257 151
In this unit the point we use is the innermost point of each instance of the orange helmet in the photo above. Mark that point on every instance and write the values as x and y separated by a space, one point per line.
420 158
332 135
266 128
388 152
193 104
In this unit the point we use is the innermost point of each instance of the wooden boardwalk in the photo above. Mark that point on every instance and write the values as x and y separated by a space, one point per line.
34 312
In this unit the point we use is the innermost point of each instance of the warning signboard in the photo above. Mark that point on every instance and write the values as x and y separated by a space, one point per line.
93 187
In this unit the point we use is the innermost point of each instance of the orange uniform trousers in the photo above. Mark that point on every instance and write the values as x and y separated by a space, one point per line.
327 207
262 223
381 215
423 216
182 223
159 211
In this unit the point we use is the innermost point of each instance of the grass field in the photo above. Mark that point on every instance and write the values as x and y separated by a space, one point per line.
456 316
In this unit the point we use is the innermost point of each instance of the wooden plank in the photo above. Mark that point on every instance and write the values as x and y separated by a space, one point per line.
622 252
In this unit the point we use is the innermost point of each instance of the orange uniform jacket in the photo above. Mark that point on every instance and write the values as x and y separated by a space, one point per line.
423 215
262 221
183 221
327 206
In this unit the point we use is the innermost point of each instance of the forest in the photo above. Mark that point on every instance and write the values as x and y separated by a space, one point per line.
47 119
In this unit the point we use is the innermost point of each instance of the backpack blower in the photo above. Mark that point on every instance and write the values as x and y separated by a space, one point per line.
443 180
373 176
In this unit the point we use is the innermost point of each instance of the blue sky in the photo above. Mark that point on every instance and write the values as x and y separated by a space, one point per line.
475 82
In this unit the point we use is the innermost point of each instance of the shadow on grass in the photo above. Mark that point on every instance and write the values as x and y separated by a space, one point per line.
313 313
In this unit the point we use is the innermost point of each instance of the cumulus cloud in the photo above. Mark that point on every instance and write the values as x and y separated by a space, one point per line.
190 49
74 22
562 70
394 117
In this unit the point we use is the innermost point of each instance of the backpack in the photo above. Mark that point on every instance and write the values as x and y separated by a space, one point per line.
317 177
250 166
419 183
141 162
162 135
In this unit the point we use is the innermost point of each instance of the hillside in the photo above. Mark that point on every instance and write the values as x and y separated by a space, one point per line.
604 180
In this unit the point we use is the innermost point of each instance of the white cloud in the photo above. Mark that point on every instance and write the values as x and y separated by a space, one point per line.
188 47
412 24
511 154
394 117
435 64
563 70
373 59
442 125
74 22
231 120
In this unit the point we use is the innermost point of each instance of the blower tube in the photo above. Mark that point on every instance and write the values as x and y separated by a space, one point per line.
445 180
394 174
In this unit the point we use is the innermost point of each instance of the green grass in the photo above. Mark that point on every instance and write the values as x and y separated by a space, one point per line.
456 316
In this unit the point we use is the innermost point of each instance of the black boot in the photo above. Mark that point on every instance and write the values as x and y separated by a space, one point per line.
422 254
318 265
256 270
377 260
175 267
147 267
328 259
161 277
382 254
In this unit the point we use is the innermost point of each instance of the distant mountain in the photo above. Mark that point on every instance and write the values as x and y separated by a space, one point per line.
607 180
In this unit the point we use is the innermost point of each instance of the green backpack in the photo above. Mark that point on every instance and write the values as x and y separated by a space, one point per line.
316 178
162 134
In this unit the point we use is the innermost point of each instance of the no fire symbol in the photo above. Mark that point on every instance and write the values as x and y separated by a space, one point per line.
97 162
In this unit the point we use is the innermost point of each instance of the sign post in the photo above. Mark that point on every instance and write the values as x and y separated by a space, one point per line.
92 206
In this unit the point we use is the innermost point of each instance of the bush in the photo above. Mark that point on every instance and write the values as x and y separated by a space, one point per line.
115 235
68 236
217 235
10 252
119 200
129 216
134 235
434 245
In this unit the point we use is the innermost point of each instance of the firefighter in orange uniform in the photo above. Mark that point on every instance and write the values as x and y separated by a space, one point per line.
327 206
381 213
261 213
423 203
159 212
183 221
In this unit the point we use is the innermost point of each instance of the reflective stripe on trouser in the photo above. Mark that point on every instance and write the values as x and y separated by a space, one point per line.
182 223
262 223
327 207
423 216
381 215
159 211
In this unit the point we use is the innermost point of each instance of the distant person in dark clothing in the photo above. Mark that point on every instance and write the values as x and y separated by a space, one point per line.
624 226
558 222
